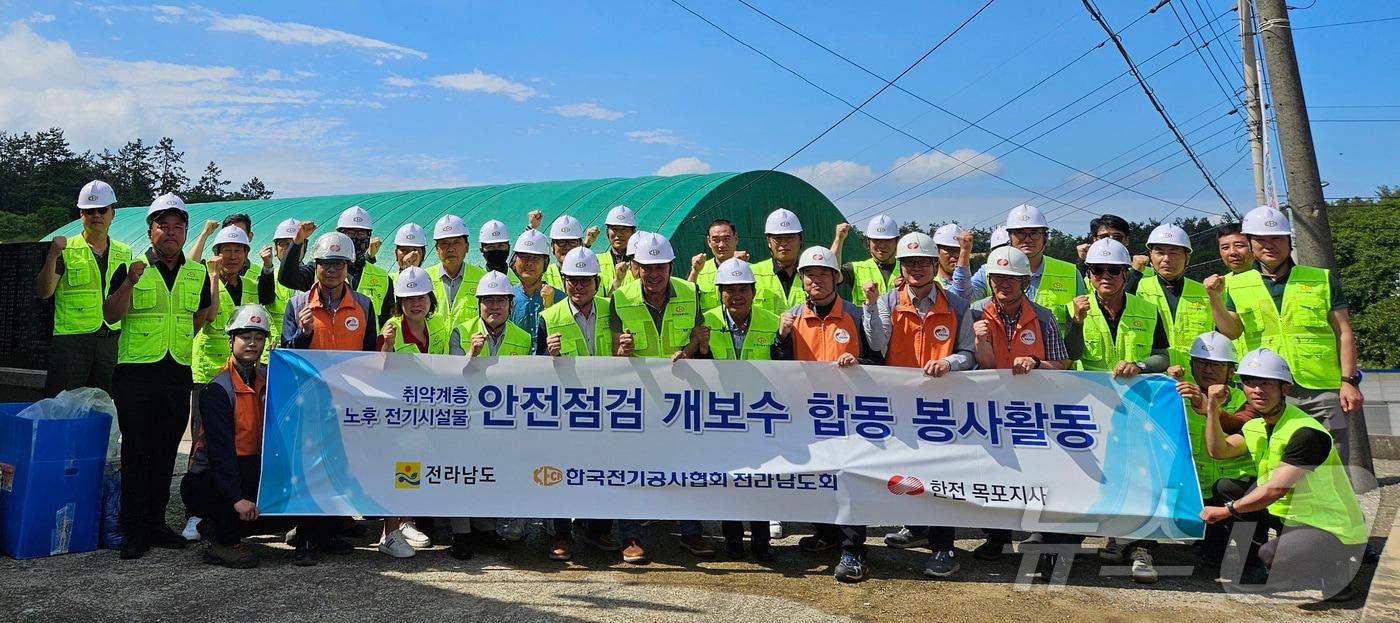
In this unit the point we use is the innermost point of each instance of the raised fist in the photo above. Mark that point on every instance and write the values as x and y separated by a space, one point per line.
304 231
785 323
133 272
57 246
1080 308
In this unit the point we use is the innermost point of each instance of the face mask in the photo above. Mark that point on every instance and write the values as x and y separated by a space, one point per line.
496 260
361 248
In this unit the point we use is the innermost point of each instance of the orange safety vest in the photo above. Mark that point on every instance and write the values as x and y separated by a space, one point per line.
824 339
1027 339
916 340
343 329
247 411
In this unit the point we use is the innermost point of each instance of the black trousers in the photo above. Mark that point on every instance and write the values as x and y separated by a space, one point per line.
85 360
591 527
1217 538
153 416
852 538
734 532
221 523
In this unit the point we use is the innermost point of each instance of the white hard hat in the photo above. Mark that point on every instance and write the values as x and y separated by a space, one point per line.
1008 260
96 194
449 226
1108 251
249 316
232 234
1265 221
286 230
733 271
494 284
635 240
333 245
168 201
621 215
493 232
916 244
782 221
653 249
566 228
580 262
1166 233
1025 216
882 228
412 281
1263 363
999 237
410 235
533 242
818 256
354 217
1213 346
947 235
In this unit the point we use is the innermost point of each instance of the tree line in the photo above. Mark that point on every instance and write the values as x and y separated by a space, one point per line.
40 175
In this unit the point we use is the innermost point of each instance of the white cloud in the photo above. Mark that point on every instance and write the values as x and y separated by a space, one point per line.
659 136
40 18
400 81
834 175
587 109
277 75
945 166
477 81
683 166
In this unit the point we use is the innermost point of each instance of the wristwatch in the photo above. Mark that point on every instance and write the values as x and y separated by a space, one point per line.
1142 367
1353 380
1037 362
1230 506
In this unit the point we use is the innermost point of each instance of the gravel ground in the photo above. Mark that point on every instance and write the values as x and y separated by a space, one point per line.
519 584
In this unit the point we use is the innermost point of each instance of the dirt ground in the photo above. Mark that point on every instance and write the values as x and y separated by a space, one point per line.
520 584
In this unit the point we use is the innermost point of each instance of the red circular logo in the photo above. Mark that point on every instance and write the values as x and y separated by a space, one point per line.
1003 262
912 245
905 485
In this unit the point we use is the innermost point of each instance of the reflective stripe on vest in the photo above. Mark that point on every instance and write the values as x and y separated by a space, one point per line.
515 341
1191 319
825 339
768 289
1300 332
343 329
758 342
1133 342
916 340
560 319
77 302
374 283
211 347
677 320
438 333
869 270
1209 470
1323 497
1027 339
161 320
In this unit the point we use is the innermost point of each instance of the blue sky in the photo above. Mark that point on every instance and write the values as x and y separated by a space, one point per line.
331 97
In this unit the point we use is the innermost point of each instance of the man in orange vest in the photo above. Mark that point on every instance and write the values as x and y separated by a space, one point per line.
919 325
827 328
1012 332
330 316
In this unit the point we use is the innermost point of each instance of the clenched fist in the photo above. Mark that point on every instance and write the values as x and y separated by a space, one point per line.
304 231
57 246
1215 285
785 323
1080 308
133 272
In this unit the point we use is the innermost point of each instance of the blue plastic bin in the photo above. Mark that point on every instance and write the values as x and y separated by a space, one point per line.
51 474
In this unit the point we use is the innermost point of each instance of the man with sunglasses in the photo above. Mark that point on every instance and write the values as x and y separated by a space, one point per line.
76 272
1116 228
1054 283
363 276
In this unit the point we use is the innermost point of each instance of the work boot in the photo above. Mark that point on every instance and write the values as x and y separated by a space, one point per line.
165 538
133 547
461 546
305 553
236 556
908 537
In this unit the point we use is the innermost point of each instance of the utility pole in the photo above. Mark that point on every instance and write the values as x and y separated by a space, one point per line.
1312 235
1254 116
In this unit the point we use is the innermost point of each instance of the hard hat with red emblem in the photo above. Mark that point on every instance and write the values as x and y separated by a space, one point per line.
916 244
248 317
818 257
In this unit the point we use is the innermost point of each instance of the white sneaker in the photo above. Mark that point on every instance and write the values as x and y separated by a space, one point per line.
414 537
394 545
1143 571
191 531
1114 551
775 529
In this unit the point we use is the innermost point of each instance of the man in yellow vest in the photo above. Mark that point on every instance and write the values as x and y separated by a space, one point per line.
532 294
410 247
722 239
1054 283
1182 302
454 280
1302 486
565 234
658 315
1233 247
281 241
1298 312
151 384
493 240
1116 228
363 276
578 326
1124 335
76 273
779 286
881 268
622 225
954 257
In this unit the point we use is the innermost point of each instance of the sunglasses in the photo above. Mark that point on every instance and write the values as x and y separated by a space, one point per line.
1120 237
95 211
1111 271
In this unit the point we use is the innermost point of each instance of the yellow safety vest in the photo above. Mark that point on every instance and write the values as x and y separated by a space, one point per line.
278 310
1300 332
677 321
77 302
1192 317
1136 326
869 270
160 320
211 347
553 277
768 289
374 283
560 319
1323 497
438 333
705 281
463 307
758 342
1209 470
515 341
606 270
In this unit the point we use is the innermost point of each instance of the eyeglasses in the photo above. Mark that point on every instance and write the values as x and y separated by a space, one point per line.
333 264
1111 271
95 211
1118 236
1027 233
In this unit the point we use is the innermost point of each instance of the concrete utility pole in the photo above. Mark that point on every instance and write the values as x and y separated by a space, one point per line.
1253 113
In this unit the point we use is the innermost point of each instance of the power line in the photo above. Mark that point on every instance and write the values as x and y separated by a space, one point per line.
1231 95
1118 43
1364 21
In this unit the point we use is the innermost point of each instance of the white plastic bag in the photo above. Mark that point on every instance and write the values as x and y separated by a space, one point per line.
74 403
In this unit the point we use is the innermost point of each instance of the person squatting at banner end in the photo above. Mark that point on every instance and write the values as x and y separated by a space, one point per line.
172 351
